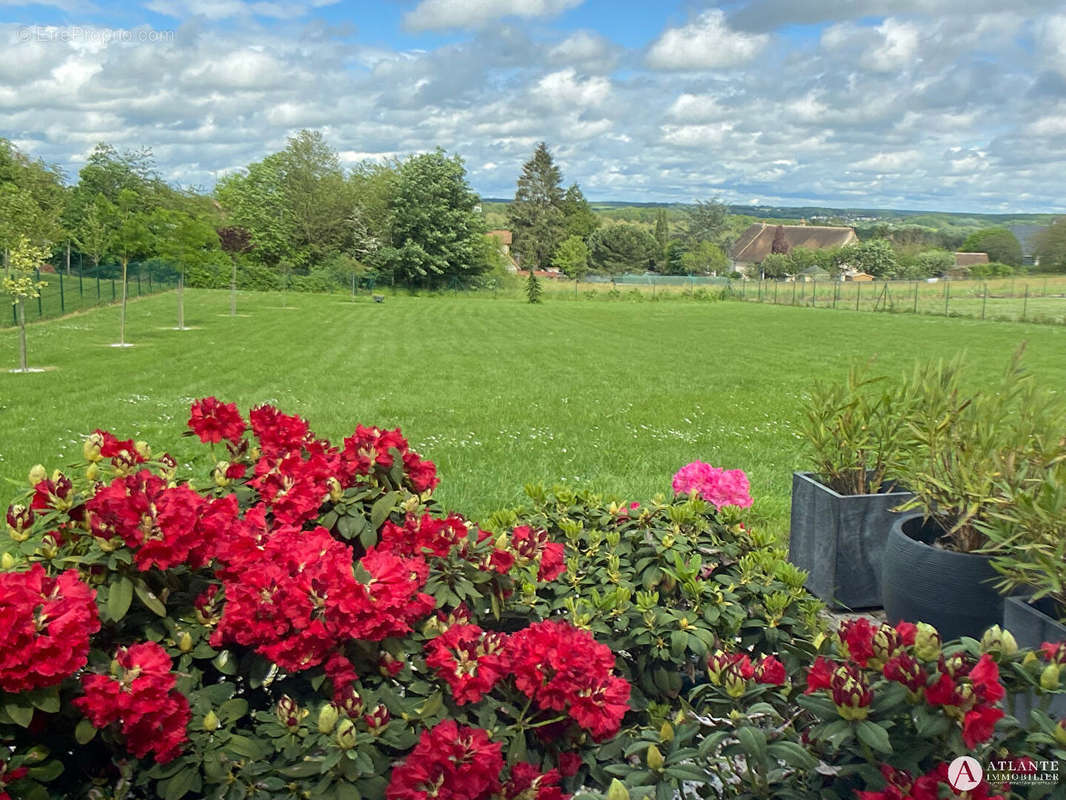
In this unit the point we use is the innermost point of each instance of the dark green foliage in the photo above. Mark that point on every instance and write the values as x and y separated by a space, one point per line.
533 288
622 248
1051 247
1000 244
707 220
578 218
536 215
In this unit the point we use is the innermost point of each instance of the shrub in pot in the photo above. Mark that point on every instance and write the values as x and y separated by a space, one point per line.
958 442
307 622
842 510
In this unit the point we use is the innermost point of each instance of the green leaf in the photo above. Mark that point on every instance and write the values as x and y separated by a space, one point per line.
225 663
176 787
84 732
792 754
381 509
45 699
233 710
119 597
243 746
48 771
20 714
874 736
346 791
754 743
148 597
304 769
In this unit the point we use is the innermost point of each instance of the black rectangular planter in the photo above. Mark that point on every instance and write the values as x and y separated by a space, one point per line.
1032 625
839 539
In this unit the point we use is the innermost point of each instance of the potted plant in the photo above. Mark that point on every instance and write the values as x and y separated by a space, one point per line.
966 456
842 510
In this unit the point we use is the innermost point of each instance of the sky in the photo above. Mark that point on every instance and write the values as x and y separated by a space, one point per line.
955 105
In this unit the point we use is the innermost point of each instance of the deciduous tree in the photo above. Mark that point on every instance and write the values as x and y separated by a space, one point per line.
572 257
1000 244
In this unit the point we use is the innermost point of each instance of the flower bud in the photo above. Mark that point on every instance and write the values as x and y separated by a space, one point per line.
210 721
219 474
19 519
336 491
377 719
92 472
1029 658
143 450
926 642
346 734
1049 678
997 640
288 712
666 733
655 758
185 642
851 694
38 474
1060 733
617 790
7 561
90 448
350 702
327 718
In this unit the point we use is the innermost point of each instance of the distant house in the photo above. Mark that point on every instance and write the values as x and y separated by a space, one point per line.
814 273
969 259
857 276
552 273
504 239
756 243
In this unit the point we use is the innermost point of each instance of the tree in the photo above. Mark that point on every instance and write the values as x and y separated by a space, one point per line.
434 231
578 218
1051 247
234 240
186 240
776 265
780 244
130 238
622 248
704 258
21 285
536 215
572 257
662 229
999 243
533 290
874 257
32 199
93 230
707 220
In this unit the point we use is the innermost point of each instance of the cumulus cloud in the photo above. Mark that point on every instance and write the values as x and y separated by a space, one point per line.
443 14
706 43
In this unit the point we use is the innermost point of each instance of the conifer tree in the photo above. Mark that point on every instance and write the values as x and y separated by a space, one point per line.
536 214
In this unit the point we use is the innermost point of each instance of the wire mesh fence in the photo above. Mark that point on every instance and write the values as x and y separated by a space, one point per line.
67 292
1021 299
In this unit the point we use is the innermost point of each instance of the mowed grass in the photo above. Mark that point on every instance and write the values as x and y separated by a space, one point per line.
615 396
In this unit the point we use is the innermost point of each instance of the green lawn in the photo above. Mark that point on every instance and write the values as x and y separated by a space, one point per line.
612 395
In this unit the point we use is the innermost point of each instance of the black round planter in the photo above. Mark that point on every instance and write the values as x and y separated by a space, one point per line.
954 592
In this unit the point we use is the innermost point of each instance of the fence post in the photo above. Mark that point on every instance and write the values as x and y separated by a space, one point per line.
139 293
62 301
836 293
984 301
98 288
1025 303
814 292
947 296
775 293
858 293
149 281
113 294
916 297
81 286
40 307
793 293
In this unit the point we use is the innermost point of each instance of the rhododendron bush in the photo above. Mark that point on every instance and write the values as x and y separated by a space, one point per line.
301 621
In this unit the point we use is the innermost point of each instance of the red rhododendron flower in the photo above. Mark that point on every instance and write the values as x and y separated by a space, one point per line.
527 783
857 636
977 725
214 422
535 546
421 472
278 434
942 693
450 762
907 632
905 669
469 659
563 668
426 535
53 494
153 714
45 625
770 671
569 764
820 675
1054 652
9 776
985 679
164 526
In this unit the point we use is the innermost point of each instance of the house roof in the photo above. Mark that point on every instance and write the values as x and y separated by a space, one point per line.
505 237
757 241
815 270
967 259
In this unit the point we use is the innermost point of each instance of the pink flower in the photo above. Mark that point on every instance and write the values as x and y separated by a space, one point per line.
723 487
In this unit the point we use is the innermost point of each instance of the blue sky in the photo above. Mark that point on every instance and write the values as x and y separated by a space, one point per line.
922 104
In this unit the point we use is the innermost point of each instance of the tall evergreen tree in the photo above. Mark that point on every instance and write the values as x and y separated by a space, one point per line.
536 214
578 217
662 228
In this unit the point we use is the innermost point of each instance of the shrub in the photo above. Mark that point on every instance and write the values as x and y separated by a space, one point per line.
664 583
307 620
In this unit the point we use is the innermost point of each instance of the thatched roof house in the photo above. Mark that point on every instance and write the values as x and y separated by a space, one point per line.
756 243
969 259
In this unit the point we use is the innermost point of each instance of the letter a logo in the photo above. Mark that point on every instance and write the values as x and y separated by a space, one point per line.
965 773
